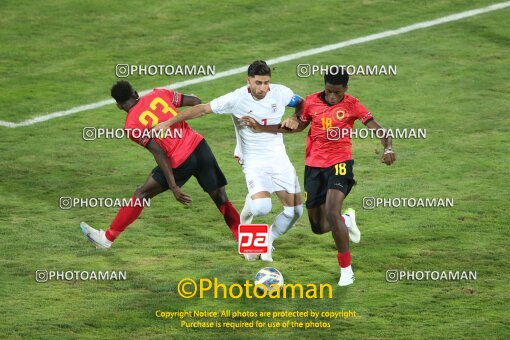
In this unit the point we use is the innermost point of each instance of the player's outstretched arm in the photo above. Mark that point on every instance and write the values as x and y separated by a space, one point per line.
389 156
164 163
294 124
189 100
191 113
284 127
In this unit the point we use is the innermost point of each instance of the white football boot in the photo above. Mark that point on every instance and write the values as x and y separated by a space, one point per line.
251 257
95 236
354 233
268 257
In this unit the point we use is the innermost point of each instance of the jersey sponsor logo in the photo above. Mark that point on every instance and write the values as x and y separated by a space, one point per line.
253 238
274 108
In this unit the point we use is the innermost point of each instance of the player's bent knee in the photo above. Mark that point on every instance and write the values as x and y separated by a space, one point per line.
260 206
316 229
315 225
332 216
141 194
219 196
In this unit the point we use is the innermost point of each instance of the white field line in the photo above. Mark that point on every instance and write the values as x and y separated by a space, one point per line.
285 58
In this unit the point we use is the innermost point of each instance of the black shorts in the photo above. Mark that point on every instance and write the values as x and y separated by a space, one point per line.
201 164
319 180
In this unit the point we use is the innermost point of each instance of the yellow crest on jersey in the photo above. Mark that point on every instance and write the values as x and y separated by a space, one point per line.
340 114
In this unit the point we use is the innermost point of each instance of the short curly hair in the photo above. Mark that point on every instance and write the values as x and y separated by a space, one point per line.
122 91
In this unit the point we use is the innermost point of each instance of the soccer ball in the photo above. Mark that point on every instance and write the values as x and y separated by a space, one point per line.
270 277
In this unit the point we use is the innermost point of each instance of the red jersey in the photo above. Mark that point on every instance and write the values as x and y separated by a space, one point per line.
158 106
329 141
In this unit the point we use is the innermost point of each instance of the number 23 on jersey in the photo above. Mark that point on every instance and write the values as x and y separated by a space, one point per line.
150 117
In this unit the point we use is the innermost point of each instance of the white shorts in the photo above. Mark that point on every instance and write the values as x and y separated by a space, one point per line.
271 178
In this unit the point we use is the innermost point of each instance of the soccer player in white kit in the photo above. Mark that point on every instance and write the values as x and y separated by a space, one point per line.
265 163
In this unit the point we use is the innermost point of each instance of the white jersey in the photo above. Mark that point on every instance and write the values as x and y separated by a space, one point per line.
253 147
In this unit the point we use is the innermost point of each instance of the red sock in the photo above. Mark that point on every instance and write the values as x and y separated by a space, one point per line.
344 259
231 217
125 217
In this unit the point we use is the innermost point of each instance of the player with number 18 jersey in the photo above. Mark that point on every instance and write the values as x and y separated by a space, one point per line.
328 141
329 175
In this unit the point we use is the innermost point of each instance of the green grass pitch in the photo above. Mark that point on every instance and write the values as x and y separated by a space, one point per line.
452 80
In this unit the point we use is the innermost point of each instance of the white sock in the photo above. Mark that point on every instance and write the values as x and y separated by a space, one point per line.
346 270
246 215
284 221
273 235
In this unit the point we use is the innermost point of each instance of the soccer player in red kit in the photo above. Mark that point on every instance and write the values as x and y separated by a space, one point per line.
180 152
329 173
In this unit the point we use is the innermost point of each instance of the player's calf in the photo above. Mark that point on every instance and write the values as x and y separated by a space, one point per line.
230 214
125 217
317 221
219 196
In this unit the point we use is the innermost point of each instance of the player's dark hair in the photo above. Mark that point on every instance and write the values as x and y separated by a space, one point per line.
259 68
336 76
122 91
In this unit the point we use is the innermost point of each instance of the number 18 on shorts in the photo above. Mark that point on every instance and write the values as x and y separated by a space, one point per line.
319 180
253 238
